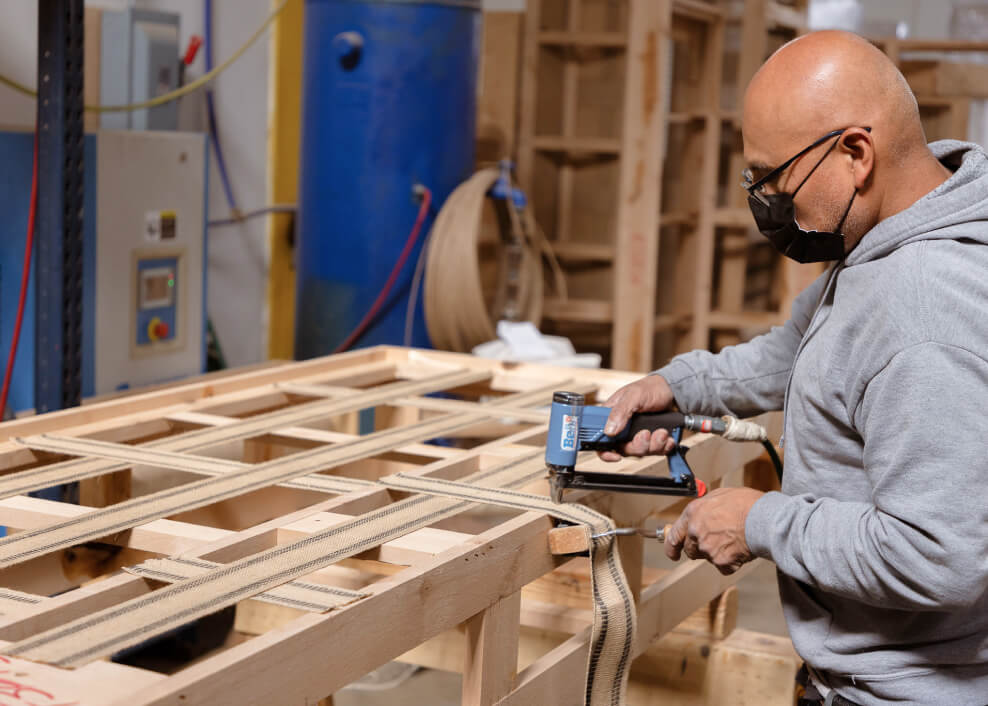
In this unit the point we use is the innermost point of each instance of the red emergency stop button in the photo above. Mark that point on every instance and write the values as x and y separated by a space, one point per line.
157 329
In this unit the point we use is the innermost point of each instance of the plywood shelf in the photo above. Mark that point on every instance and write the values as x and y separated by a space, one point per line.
578 145
744 319
698 10
602 40
581 253
785 16
579 310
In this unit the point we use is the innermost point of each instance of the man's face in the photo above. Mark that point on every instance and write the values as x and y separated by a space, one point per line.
820 178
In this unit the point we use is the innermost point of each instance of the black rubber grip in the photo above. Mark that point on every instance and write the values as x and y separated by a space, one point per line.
653 421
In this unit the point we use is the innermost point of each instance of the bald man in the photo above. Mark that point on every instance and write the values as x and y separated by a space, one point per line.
880 533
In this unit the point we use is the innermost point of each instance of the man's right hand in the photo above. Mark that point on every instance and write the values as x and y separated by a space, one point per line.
650 394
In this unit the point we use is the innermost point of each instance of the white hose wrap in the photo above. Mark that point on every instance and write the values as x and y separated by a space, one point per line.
739 430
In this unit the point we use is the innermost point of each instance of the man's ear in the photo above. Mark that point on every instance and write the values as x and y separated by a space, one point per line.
857 144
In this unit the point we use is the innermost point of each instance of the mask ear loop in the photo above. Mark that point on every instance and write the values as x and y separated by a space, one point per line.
819 162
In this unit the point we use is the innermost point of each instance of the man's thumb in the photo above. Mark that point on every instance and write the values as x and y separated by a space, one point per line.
616 420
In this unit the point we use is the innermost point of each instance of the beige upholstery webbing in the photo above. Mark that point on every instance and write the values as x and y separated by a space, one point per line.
138 619
12 602
199 588
302 595
70 471
613 636
130 513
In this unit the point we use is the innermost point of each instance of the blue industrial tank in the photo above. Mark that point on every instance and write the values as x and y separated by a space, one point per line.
389 99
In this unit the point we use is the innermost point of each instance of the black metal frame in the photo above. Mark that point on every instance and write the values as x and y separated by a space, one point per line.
59 263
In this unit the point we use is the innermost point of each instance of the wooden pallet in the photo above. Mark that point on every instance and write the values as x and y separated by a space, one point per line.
478 581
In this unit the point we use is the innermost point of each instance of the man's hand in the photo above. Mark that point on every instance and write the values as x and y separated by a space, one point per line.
650 394
712 528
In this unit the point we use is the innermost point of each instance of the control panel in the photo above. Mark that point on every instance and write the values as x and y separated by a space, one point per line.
157 313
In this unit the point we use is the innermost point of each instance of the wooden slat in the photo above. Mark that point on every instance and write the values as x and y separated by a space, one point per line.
584 252
643 140
529 88
698 10
492 652
702 298
779 15
578 310
577 145
115 409
603 40
571 76
745 319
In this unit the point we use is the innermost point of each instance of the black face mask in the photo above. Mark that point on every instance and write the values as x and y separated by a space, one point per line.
777 221
775 215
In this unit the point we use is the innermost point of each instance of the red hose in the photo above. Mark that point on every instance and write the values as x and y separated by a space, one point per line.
395 271
25 278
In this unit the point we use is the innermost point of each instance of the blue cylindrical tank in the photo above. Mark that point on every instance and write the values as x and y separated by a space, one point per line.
389 98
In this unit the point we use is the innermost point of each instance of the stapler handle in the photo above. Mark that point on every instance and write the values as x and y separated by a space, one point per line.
652 421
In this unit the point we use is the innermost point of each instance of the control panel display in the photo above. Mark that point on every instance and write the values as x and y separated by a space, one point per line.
157 288
157 300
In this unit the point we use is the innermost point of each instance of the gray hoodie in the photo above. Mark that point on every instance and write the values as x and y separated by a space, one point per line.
880 533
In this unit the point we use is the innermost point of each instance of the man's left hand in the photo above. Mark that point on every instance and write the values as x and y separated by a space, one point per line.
712 528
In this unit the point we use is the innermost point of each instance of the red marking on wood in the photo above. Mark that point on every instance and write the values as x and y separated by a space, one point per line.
15 692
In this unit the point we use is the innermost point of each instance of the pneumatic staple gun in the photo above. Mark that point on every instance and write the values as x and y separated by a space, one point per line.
575 427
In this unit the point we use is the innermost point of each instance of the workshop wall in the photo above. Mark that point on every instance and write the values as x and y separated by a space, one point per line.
237 254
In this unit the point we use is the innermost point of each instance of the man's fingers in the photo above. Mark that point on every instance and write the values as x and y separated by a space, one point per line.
638 446
610 456
674 537
691 548
658 441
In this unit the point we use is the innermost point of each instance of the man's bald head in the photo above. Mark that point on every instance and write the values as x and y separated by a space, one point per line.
880 163
828 80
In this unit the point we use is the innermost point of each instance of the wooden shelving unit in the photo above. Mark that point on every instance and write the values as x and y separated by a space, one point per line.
609 90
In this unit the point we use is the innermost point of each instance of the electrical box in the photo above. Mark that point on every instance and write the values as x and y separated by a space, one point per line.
144 259
138 60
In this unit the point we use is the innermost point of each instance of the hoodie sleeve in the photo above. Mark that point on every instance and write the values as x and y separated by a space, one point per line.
921 540
749 378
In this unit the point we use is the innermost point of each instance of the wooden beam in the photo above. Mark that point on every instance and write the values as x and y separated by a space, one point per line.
643 144
572 38
492 652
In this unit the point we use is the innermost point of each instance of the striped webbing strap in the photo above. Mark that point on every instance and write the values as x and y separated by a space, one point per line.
613 635
125 624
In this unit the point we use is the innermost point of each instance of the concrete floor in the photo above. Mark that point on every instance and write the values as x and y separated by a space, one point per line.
759 609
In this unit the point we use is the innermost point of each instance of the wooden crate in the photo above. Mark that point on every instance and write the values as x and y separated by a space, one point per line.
481 579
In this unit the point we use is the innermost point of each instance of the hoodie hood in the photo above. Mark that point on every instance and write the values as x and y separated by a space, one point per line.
955 210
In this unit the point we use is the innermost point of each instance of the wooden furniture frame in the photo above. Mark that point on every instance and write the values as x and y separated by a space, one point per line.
478 569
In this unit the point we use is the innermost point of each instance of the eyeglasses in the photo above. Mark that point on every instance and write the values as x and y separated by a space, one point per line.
755 188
